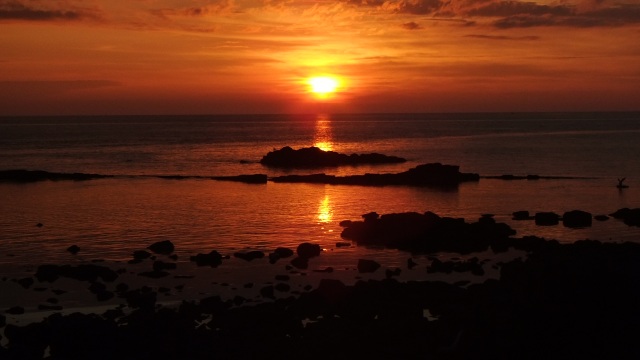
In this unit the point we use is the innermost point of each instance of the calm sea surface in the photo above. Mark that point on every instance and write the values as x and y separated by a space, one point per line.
110 218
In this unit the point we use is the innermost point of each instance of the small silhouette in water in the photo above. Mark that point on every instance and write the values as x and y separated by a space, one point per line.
621 185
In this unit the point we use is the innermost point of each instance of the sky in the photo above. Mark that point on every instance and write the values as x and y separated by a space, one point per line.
104 57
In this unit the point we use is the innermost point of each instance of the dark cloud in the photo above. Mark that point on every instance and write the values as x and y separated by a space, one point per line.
511 8
619 15
501 37
14 10
411 26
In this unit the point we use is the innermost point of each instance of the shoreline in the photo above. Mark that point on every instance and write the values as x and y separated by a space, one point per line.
534 302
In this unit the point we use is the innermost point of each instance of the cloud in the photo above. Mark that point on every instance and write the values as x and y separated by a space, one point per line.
54 86
411 26
15 10
502 37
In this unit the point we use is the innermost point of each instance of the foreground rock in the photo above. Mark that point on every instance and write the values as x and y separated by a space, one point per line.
630 217
434 174
315 157
564 301
426 232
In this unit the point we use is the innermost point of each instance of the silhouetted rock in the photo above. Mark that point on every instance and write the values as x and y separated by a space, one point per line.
630 217
367 266
73 249
141 254
547 218
315 157
26 282
249 255
268 292
280 253
308 250
426 232
212 259
25 176
160 265
430 175
3 321
165 247
473 265
248 179
577 219
143 298
601 217
340 244
15 310
522 215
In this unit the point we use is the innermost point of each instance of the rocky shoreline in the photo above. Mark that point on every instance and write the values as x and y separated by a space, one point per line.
556 301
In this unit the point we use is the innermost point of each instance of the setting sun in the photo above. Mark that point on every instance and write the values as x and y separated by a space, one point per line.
323 85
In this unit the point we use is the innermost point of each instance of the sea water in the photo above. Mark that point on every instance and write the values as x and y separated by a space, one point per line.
109 218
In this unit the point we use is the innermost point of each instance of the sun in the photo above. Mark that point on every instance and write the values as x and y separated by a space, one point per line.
323 86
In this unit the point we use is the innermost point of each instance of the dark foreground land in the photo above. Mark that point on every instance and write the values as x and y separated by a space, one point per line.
561 301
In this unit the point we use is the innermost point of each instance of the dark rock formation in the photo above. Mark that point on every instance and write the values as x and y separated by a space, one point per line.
547 218
522 215
26 176
426 232
212 259
577 219
248 179
473 265
73 249
367 266
630 217
249 255
430 175
308 250
165 247
279 253
315 157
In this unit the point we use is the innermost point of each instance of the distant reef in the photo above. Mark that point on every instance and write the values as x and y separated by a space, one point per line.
26 176
313 157
434 175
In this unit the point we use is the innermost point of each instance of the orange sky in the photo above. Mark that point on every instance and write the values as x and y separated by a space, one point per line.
254 56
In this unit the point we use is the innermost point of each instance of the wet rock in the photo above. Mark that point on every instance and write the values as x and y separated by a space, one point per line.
601 217
165 247
73 249
343 244
249 255
279 253
15 310
629 216
547 219
367 266
521 215
577 219
426 233
141 254
247 179
327 270
212 259
308 250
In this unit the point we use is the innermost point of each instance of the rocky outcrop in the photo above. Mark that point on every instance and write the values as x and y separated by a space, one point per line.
433 175
426 232
315 157
26 176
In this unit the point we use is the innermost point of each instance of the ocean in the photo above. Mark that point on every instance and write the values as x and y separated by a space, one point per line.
110 218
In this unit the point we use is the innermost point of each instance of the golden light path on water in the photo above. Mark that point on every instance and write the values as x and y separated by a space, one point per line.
323 137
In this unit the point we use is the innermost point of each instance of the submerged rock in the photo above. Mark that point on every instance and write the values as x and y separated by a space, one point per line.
212 259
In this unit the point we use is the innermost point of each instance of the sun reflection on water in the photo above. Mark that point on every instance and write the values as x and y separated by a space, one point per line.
322 138
325 210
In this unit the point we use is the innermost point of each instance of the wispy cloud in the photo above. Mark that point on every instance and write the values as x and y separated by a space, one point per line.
16 10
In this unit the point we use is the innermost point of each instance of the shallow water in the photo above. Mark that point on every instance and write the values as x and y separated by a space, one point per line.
110 218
